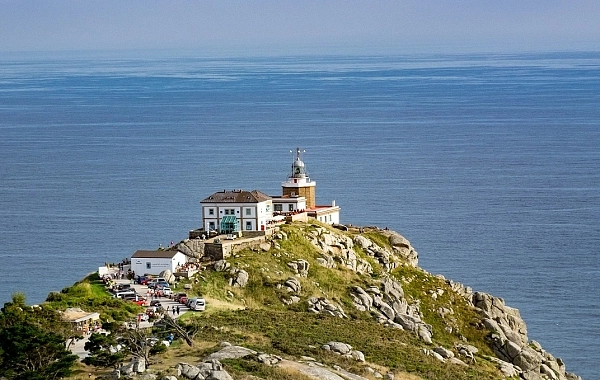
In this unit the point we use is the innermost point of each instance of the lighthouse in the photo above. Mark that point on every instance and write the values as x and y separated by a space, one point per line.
298 183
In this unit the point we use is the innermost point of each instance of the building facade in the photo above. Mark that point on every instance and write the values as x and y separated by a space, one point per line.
236 210
154 262
240 210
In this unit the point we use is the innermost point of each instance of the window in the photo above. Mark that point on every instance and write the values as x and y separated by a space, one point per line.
148 265
211 225
268 208
211 211
248 226
291 207
278 207
226 211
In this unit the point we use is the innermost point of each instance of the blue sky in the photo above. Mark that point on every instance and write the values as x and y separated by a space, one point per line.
301 26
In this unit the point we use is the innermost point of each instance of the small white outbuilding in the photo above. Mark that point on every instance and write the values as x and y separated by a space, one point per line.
154 262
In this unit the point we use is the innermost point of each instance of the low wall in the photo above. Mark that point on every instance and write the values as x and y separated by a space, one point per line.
224 249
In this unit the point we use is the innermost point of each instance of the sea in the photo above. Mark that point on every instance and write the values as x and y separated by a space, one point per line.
488 163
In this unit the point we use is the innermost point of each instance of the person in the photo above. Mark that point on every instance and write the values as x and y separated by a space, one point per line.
167 308
177 310
173 310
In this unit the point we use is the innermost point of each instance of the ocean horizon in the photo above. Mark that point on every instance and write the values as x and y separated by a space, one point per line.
489 164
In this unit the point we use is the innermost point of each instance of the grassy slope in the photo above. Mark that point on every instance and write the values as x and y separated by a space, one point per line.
270 326
256 318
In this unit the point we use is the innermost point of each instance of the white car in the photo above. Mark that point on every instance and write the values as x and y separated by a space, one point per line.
230 237
198 304
165 291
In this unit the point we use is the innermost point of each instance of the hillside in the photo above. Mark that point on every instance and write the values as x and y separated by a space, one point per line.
317 302
357 303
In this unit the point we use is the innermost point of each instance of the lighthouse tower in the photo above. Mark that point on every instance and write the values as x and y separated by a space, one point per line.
299 184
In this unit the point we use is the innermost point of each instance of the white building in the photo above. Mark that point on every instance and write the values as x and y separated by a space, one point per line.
239 210
325 214
154 262
299 193
236 210
288 203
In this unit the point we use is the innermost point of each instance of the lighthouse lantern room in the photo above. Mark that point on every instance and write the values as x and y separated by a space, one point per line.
298 183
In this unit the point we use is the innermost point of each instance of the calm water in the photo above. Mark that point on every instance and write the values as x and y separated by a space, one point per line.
488 164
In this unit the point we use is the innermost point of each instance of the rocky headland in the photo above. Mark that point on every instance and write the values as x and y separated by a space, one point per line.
363 275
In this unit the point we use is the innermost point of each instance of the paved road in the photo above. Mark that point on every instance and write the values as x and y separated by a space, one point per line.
78 346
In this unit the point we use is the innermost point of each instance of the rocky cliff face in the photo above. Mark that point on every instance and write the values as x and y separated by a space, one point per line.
516 355
396 293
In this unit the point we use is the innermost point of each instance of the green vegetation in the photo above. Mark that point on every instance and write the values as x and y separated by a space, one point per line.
272 332
257 317
32 342
463 319
240 367
90 294
265 324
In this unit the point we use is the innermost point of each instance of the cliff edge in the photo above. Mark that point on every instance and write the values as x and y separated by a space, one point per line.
393 318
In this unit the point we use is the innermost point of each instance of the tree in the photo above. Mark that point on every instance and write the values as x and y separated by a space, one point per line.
31 343
108 350
103 351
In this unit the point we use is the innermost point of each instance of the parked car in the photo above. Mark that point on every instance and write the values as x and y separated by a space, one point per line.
142 317
163 291
183 300
230 237
198 304
122 294
132 297
177 296
157 282
140 302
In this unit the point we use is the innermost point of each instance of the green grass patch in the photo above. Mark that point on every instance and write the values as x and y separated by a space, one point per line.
292 334
90 294
378 238
419 285
240 367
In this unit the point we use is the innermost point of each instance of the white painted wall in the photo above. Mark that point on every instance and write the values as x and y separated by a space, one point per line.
259 214
140 264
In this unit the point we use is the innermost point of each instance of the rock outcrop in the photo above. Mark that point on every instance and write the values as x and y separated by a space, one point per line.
508 338
387 304
300 267
344 349
381 292
193 248
337 250
324 306
239 277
